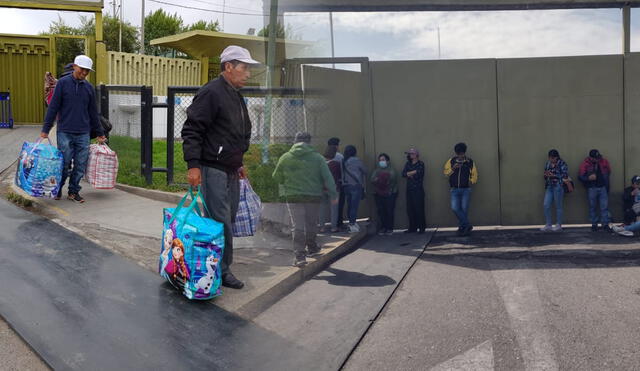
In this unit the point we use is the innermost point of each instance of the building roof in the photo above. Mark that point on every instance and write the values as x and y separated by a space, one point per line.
210 44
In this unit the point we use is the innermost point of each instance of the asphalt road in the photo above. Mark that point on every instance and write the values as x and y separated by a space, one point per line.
463 308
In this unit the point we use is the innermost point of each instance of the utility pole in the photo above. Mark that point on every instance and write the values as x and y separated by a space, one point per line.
142 30
224 2
333 52
439 55
121 18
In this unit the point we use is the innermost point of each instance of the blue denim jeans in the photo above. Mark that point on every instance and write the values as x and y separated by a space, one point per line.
553 193
73 147
598 197
633 227
460 198
352 195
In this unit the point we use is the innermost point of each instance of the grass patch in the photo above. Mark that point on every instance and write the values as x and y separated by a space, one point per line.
19 199
128 150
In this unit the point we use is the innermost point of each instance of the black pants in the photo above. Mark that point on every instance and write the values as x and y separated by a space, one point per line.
341 207
386 206
415 209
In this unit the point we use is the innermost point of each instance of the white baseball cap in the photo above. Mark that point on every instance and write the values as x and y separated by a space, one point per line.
83 61
237 53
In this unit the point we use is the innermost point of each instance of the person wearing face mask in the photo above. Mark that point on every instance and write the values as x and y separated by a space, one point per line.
385 187
414 172
555 172
594 174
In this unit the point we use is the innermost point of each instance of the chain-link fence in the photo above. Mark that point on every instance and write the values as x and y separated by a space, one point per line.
291 112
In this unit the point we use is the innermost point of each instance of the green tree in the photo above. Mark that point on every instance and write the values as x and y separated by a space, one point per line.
204 25
160 24
280 31
111 33
66 48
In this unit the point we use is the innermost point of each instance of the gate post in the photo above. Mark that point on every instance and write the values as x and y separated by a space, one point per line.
146 133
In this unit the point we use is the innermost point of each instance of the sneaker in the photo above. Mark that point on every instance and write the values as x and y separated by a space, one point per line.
382 232
594 227
75 197
300 261
557 228
388 233
312 253
606 228
354 228
229 280
624 232
467 231
618 228
546 228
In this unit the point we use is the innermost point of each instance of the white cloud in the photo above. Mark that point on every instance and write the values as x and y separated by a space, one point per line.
492 34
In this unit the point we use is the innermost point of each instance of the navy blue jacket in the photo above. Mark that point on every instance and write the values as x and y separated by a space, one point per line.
75 102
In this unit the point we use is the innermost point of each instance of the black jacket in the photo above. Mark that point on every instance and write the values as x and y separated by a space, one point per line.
217 130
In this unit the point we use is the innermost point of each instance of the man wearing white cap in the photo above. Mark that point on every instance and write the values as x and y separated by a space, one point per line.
74 103
215 137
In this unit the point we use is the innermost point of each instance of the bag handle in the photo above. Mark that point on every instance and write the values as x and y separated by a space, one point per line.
192 206
38 142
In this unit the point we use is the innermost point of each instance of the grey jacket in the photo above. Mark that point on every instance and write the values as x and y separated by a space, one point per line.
354 172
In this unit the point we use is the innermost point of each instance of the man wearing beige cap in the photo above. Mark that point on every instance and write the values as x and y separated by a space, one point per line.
215 137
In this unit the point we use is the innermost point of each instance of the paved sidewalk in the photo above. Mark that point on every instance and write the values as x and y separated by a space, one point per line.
131 225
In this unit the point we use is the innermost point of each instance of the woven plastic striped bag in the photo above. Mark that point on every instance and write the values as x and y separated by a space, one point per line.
249 210
102 168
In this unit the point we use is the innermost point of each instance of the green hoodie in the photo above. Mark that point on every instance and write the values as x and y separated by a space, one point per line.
303 175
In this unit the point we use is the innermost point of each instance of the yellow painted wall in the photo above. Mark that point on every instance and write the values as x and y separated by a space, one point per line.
159 72
23 63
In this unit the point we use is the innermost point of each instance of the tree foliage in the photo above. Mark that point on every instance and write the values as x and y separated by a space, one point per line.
67 48
204 25
160 24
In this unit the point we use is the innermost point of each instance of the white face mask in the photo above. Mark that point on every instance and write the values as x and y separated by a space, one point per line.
382 164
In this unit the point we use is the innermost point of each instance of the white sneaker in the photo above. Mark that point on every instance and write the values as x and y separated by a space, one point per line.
625 233
557 228
618 228
354 228
546 228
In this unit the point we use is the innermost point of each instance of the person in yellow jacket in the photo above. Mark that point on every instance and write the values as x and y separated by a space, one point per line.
462 173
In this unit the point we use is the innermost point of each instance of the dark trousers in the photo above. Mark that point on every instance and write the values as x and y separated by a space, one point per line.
415 209
341 200
386 206
221 193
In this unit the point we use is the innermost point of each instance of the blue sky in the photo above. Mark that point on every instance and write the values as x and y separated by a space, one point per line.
409 35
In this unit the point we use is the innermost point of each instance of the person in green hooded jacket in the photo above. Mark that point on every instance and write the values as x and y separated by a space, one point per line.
385 188
303 177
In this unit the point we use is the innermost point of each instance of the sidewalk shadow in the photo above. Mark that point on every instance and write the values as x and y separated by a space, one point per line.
355 279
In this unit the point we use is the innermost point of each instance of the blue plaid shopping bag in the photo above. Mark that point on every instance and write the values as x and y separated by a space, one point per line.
249 210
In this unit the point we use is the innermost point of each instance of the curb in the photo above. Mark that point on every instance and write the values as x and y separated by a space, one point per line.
152 194
286 282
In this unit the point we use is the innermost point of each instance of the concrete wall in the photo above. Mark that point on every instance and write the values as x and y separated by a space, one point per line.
632 116
510 112
432 105
571 104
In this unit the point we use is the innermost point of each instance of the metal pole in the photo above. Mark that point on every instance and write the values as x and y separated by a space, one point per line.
626 29
333 52
146 133
120 29
142 30
439 55
171 109
224 2
271 61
